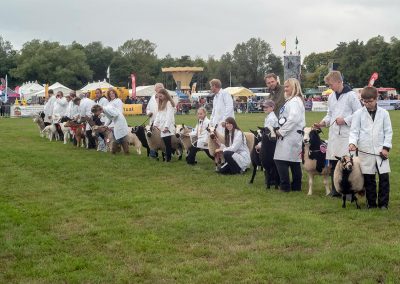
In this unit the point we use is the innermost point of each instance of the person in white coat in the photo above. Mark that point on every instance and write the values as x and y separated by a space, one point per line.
85 113
60 107
165 120
342 104
222 105
290 137
114 100
72 111
199 137
371 133
151 111
48 108
101 100
120 127
271 120
234 148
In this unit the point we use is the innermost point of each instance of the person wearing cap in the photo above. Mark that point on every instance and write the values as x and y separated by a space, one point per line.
270 120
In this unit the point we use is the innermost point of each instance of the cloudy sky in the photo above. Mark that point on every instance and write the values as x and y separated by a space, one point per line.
200 28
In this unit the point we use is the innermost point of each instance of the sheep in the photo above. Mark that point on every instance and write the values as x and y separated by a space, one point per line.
51 132
78 131
141 134
40 123
153 136
265 157
182 132
314 158
348 178
66 131
134 140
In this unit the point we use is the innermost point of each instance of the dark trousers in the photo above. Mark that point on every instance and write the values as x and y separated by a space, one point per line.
191 157
283 171
168 148
230 166
370 190
92 141
333 164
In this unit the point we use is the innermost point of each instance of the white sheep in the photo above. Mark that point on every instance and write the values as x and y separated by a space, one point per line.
51 132
66 132
348 178
313 152
134 140
182 132
40 123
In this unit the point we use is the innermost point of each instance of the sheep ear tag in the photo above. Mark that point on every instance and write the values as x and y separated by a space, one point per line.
282 120
322 148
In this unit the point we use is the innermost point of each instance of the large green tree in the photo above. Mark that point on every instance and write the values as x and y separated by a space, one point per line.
8 60
50 62
99 58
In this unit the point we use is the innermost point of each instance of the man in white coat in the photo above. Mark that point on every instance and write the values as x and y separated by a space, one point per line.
60 107
222 106
48 108
371 132
342 104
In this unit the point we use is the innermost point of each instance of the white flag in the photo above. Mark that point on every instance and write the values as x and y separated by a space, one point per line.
108 73
6 97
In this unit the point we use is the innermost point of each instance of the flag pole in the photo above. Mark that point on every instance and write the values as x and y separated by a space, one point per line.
5 93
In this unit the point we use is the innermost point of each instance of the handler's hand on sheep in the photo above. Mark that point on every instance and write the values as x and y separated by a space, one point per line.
218 150
352 147
319 124
165 130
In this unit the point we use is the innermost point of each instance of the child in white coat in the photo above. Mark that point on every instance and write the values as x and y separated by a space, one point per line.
165 120
371 133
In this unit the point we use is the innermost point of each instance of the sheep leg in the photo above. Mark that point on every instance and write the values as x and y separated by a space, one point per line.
267 179
310 183
354 198
326 184
254 173
344 201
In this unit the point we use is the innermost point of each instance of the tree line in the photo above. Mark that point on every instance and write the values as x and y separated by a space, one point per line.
75 65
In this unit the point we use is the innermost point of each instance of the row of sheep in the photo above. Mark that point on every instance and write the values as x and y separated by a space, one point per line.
348 179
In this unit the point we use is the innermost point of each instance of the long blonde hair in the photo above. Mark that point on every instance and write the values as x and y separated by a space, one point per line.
296 89
163 104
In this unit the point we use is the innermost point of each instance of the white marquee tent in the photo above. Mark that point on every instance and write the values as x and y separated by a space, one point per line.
56 87
96 85
148 91
29 88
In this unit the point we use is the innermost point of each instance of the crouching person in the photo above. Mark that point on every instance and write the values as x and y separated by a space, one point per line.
199 137
97 120
371 132
234 149
120 129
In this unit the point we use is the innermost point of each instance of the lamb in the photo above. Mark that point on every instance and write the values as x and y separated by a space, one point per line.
314 157
182 132
134 140
51 132
141 134
155 142
39 121
265 157
348 178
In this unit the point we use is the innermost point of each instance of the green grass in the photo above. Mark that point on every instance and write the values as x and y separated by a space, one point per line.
73 215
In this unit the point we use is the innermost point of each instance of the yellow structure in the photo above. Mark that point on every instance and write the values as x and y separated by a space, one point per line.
182 75
239 92
132 109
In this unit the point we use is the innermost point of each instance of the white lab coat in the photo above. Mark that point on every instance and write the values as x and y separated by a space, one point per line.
241 153
60 108
85 109
271 120
370 136
102 102
222 108
166 119
72 110
201 133
291 122
338 141
152 107
118 104
118 119
48 108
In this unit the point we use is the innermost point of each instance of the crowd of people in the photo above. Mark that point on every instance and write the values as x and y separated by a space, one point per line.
352 126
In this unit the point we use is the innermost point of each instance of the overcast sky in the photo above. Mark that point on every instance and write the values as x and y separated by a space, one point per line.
200 28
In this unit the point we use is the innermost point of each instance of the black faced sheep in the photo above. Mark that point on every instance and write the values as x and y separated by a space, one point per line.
314 157
348 178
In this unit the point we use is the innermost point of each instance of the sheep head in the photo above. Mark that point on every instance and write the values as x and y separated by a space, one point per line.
346 162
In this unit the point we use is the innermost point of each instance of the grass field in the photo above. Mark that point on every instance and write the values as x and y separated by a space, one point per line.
72 215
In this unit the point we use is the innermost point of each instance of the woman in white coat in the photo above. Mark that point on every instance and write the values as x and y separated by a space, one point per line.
165 120
371 132
234 148
290 136
114 100
120 127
